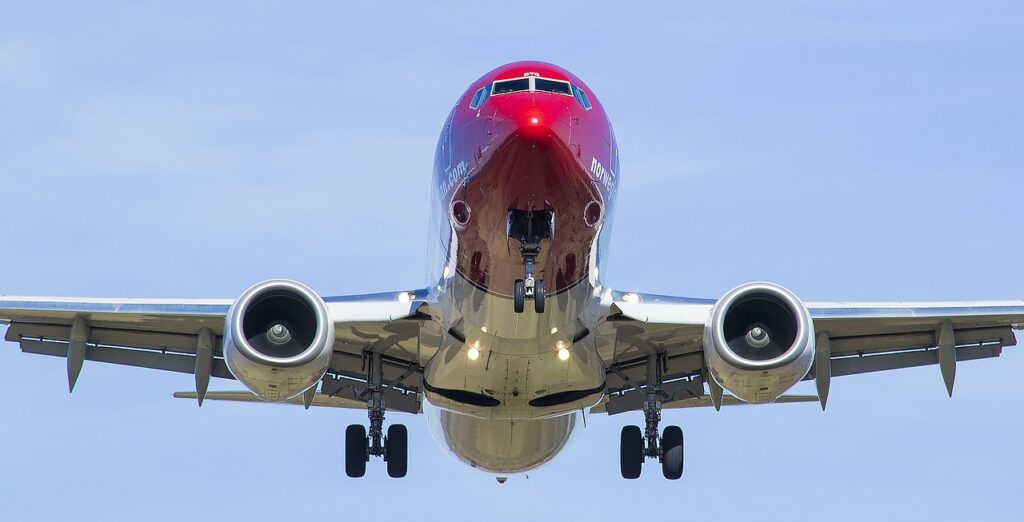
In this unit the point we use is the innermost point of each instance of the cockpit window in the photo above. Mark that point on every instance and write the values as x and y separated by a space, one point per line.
581 97
532 84
514 85
555 86
481 95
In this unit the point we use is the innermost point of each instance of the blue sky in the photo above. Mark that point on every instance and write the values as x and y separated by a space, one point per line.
868 151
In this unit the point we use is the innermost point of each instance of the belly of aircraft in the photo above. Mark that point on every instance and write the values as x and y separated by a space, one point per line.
496 364
501 445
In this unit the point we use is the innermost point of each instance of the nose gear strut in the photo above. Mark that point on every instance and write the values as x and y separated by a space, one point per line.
529 227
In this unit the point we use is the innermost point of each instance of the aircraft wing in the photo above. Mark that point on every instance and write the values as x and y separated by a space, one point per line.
852 338
167 334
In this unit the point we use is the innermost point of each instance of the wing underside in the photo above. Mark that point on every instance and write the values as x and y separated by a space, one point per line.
860 338
185 336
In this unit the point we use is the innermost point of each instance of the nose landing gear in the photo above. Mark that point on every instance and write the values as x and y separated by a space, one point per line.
528 288
529 227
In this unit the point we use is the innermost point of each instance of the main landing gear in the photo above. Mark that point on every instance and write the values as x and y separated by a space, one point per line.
529 227
636 446
359 445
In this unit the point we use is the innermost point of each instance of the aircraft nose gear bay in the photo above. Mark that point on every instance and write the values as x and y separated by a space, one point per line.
516 331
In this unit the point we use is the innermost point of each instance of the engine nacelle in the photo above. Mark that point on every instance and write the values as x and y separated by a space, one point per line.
759 341
278 339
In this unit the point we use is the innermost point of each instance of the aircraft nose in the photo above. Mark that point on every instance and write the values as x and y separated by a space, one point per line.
535 121
535 116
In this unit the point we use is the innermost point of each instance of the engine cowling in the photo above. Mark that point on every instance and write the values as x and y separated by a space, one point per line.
278 339
759 341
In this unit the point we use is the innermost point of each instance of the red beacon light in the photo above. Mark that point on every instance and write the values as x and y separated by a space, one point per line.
533 122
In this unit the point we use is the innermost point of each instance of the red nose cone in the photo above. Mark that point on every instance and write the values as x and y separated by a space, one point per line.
534 122
536 116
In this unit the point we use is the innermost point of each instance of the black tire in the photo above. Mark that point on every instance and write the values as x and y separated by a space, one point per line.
672 452
631 452
396 450
519 296
355 450
538 297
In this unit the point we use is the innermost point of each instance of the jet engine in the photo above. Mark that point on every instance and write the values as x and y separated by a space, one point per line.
759 341
278 339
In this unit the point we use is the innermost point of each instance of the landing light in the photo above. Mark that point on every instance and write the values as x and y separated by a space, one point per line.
563 350
534 120
473 354
631 298
405 297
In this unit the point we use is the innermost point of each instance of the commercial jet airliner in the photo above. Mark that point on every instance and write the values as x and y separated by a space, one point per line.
517 331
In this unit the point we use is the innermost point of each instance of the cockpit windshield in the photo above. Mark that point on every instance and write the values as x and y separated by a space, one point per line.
530 84
507 86
555 86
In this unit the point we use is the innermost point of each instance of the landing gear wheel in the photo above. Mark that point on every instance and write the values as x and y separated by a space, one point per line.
355 450
397 450
672 452
631 452
519 296
538 296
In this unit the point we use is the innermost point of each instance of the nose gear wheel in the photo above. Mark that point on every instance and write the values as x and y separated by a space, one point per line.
529 227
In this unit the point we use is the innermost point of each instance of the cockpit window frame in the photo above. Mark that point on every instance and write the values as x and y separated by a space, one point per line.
529 85
480 96
581 97
532 86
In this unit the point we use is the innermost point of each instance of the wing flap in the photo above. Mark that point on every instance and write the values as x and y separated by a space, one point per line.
396 398
852 365
319 400
140 358
872 343
153 340
704 401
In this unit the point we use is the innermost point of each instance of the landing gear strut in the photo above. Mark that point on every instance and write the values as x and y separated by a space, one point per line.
636 446
529 227
359 445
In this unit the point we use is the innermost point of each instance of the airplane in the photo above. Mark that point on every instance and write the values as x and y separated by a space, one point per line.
516 333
